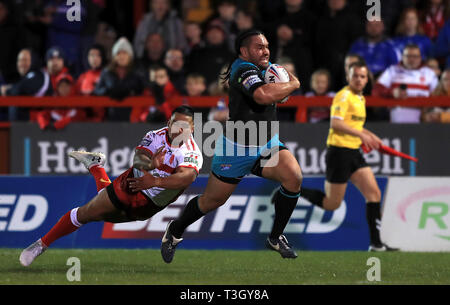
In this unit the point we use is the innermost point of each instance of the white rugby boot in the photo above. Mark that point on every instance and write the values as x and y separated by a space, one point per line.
29 254
89 159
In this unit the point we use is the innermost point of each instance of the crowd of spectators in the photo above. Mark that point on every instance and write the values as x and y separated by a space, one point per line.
177 49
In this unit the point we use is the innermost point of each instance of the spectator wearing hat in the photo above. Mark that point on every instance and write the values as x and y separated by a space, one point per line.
65 33
59 118
161 19
55 63
119 79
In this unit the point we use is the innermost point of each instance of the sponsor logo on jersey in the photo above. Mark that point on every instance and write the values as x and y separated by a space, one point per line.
191 159
250 81
357 118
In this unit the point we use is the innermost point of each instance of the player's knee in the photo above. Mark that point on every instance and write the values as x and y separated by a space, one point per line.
293 181
83 214
208 204
86 214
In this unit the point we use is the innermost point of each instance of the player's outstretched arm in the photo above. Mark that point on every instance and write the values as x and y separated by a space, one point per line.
181 179
275 92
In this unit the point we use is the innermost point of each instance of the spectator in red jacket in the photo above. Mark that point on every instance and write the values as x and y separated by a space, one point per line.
434 16
97 60
59 118
88 80
162 89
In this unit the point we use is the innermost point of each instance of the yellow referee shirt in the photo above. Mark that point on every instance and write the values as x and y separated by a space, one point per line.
351 108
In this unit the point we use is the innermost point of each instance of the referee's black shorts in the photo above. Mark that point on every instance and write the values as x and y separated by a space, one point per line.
342 162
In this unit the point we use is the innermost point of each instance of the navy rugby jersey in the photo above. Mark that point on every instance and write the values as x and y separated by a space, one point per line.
245 78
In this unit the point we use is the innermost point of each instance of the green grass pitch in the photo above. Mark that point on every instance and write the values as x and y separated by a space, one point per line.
222 267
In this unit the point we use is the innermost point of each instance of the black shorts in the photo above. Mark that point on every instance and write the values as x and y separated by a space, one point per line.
342 163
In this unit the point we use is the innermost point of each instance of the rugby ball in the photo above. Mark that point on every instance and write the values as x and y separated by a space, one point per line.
276 74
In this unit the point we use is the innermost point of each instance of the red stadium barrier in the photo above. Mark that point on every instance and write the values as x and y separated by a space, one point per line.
301 103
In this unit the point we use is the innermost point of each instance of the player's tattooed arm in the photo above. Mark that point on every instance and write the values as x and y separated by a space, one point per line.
143 160
181 179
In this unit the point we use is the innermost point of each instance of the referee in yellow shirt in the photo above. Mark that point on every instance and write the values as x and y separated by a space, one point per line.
344 159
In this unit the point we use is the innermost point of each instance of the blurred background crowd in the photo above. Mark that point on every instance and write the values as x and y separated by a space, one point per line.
165 48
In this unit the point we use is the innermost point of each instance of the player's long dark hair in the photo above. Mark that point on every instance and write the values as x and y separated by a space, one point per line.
241 39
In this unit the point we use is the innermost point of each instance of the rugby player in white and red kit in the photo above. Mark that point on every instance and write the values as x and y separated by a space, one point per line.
166 162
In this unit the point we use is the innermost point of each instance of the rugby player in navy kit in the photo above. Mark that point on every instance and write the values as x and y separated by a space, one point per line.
250 100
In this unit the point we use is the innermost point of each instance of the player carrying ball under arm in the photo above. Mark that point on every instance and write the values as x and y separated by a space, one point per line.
166 162
344 160
252 101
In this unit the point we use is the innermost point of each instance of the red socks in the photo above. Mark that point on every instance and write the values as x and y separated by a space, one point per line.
69 223
100 176
66 225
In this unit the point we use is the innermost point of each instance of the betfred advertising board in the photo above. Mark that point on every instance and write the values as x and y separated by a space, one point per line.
30 206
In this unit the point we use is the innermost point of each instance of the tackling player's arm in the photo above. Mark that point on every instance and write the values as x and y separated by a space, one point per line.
145 161
181 179
274 92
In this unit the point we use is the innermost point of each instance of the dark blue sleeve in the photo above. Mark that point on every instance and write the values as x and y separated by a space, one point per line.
247 79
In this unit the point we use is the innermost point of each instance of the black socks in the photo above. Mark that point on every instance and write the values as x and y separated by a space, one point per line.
373 216
314 196
284 202
191 214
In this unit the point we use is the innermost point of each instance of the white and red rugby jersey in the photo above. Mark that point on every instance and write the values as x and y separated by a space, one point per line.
187 155
419 82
